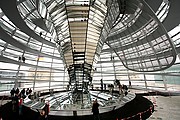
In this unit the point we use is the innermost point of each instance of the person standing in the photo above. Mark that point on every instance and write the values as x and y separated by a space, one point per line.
20 106
95 110
120 91
46 109
15 106
27 91
22 93
101 84
19 59
23 59
12 92
30 91
17 91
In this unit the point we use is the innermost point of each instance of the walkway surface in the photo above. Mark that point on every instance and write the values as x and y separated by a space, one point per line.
166 108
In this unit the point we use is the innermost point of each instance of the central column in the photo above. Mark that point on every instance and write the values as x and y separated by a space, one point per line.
79 80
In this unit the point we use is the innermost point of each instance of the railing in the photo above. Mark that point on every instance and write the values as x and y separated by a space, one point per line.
4 97
80 112
140 114
74 110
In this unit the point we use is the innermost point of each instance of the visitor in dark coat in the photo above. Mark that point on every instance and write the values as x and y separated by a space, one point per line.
95 110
